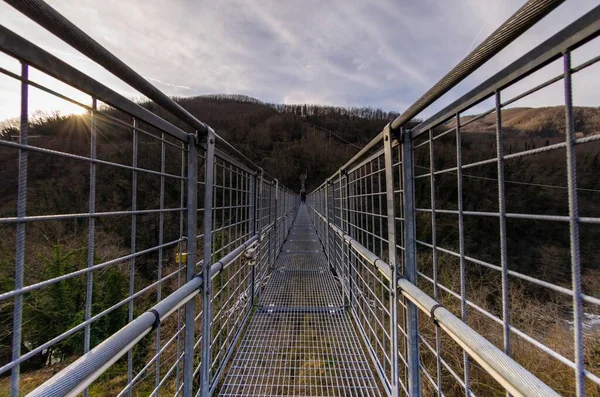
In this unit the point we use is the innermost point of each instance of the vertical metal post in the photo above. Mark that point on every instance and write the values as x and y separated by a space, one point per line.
461 238
502 219
134 163
574 230
345 214
434 258
252 225
326 231
209 163
391 231
161 222
410 261
190 271
270 233
332 245
182 214
275 231
91 233
21 213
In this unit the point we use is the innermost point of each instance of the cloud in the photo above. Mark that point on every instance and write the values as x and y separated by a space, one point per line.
341 52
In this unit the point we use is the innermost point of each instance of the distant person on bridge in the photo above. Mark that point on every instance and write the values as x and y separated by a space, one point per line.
303 196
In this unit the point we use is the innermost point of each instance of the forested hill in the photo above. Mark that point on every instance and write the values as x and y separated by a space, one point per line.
287 139
284 140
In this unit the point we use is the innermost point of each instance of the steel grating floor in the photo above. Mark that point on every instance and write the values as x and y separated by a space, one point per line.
300 341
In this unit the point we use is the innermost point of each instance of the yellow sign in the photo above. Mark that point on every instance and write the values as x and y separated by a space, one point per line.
181 258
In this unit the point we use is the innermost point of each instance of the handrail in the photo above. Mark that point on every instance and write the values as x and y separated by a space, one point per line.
75 378
61 27
571 37
527 16
516 25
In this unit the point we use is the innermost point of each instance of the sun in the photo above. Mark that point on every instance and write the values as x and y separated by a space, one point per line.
72 109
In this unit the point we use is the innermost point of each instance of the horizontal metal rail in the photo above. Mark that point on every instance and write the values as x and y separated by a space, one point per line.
77 376
515 26
25 51
16 46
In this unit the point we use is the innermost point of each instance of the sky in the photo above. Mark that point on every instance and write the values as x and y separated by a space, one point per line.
383 53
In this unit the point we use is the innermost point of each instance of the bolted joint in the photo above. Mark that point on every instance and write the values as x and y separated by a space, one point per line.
210 136
390 133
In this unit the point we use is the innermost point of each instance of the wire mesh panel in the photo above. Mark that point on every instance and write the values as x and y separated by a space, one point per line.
506 228
230 287
86 245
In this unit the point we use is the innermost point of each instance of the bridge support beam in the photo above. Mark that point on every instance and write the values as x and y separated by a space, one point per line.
190 271
252 216
209 164
410 261
391 234
344 214
409 271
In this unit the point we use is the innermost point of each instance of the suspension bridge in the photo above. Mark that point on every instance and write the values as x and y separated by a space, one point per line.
252 292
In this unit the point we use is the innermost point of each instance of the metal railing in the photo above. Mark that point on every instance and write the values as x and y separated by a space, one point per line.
167 233
431 216
161 244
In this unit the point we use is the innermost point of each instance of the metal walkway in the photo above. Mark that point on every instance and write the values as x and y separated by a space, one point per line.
300 341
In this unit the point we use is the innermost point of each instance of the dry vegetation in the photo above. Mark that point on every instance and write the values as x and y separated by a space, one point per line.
538 122
535 184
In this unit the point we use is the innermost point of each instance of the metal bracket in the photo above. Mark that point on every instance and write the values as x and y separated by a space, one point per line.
251 253
432 313
395 133
156 323
196 137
